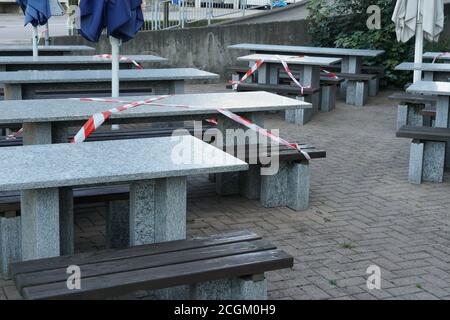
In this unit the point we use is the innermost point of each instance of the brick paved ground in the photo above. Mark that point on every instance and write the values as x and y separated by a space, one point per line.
363 212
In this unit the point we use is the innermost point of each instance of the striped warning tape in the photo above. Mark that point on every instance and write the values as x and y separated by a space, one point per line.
121 58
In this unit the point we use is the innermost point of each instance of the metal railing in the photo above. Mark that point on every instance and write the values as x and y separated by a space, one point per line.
168 14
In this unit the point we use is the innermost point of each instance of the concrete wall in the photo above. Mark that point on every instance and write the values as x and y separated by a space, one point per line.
206 47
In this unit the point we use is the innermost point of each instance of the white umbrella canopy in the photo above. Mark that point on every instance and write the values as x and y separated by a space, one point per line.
420 18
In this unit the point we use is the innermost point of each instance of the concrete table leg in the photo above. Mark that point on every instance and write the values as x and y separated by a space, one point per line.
262 74
10 244
374 87
274 73
442 112
37 133
298 184
402 115
13 92
157 210
228 183
250 182
118 224
416 162
250 288
349 65
176 87
328 98
357 93
40 223
298 116
428 75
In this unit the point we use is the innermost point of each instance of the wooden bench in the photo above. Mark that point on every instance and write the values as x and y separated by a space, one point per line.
288 186
229 266
410 109
428 152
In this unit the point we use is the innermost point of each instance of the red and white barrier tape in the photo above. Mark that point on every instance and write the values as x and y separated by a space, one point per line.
121 58
14 135
329 74
258 64
440 55
99 118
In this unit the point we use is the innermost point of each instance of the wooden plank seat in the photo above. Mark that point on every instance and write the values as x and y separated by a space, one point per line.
276 88
410 110
278 177
235 262
428 152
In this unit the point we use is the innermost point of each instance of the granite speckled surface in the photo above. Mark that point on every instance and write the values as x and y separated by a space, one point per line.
310 61
60 110
74 76
59 165
28 60
434 67
430 87
308 50
29 48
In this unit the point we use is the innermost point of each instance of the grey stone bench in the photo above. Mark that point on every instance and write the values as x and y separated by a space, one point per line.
27 84
220 267
71 62
288 187
427 155
157 208
27 50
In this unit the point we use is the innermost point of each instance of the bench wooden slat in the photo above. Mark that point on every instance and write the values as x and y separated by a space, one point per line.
278 88
412 98
424 133
165 276
98 269
352 76
118 254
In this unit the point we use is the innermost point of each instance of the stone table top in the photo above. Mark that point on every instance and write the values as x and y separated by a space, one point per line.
430 87
25 60
433 67
29 48
308 50
439 55
64 165
66 110
305 60
34 76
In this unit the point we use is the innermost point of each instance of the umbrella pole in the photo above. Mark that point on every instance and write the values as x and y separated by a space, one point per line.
115 47
418 55
47 35
35 41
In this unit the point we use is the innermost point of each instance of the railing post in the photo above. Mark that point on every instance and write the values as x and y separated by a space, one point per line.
166 14
210 7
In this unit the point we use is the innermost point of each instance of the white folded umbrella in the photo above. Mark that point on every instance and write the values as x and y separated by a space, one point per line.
420 18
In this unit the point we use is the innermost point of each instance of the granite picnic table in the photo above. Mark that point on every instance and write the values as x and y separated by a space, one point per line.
46 175
442 91
444 56
20 85
40 117
352 60
27 50
431 71
17 63
308 67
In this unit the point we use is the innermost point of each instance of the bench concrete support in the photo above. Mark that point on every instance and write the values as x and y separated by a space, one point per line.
10 244
13 92
374 87
66 221
249 288
228 183
328 98
157 210
427 161
357 93
408 114
298 116
118 224
176 87
442 112
40 223
250 182
289 187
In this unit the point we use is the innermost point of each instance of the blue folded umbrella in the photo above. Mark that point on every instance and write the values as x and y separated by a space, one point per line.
122 18
37 12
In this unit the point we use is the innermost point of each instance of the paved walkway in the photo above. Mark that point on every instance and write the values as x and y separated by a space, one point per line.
363 212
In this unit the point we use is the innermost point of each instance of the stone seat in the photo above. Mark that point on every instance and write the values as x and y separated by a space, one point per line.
428 151
288 187
227 266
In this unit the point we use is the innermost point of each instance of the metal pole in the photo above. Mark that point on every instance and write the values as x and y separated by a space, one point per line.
35 41
47 35
418 56
115 49
166 14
